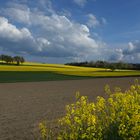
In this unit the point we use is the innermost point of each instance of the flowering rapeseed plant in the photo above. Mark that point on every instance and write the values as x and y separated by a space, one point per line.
114 118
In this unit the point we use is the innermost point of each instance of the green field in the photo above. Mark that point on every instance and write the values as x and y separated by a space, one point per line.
48 72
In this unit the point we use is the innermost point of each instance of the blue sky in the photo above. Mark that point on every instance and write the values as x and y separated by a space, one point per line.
60 31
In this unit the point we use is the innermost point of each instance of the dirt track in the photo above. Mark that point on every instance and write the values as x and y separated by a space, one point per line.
23 105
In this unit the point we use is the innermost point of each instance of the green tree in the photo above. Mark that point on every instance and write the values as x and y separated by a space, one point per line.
7 58
19 60
22 60
112 67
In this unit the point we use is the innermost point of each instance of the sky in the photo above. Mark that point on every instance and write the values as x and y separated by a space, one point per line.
61 31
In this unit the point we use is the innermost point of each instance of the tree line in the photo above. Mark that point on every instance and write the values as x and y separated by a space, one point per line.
11 60
105 64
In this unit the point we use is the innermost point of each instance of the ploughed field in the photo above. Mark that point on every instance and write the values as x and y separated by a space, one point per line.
24 105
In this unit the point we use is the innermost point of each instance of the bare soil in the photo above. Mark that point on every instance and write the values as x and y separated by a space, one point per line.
24 105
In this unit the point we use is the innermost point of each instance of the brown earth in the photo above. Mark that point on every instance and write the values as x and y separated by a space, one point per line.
24 105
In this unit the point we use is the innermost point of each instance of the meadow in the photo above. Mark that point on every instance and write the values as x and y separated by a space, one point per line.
29 72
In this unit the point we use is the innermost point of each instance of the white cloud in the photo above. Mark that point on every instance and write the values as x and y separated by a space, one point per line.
18 12
132 48
71 38
46 5
10 31
116 55
65 12
13 39
92 21
128 52
80 2
103 20
52 35
42 43
132 51
56 36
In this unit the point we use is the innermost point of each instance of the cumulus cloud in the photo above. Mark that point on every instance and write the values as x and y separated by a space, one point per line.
81 3
116 55
132 51
51 35
129 53
56 36
47 4
92 21
132 48
10 31
40 31
68 38
14 39
18 12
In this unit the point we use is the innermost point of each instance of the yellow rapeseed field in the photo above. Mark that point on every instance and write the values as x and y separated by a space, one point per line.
69 70
46 67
